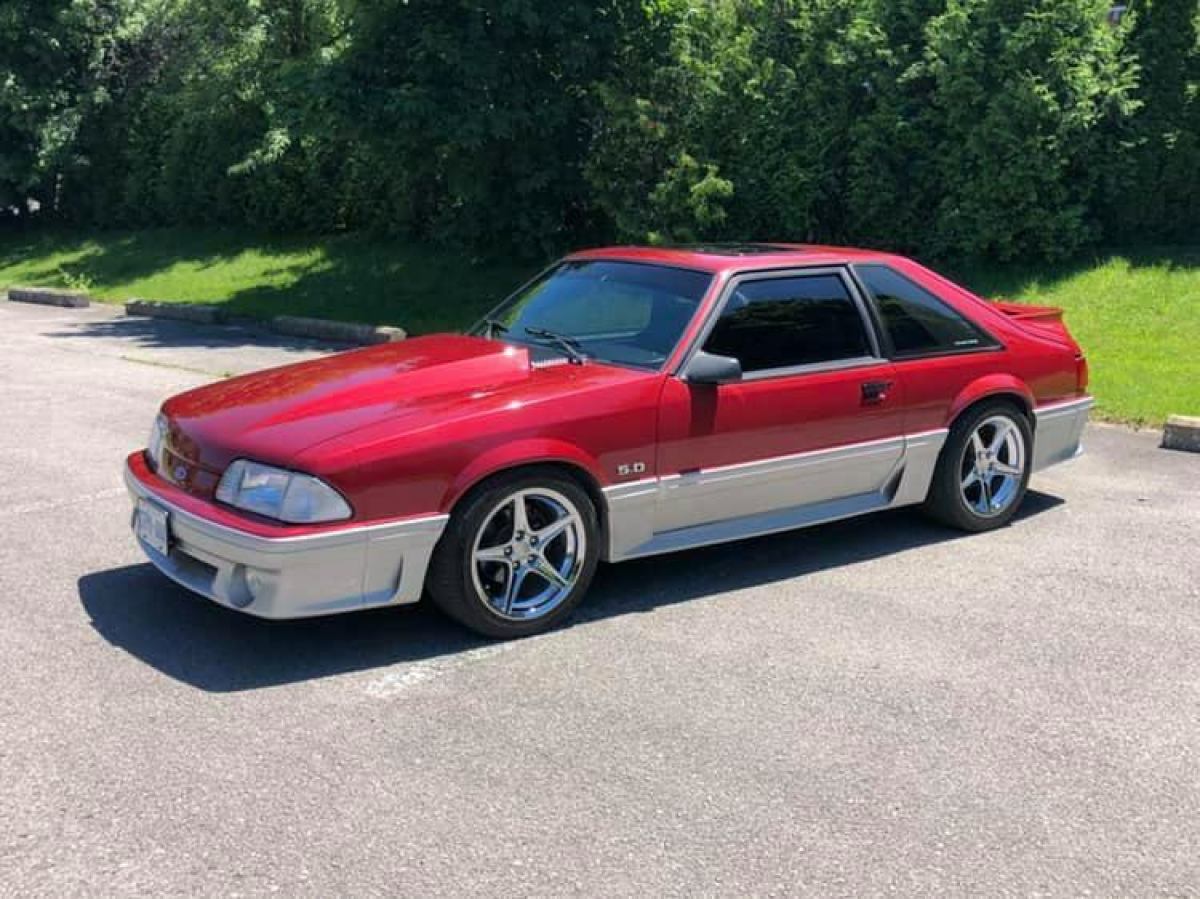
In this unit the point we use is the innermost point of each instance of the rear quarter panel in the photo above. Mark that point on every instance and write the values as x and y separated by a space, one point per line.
937 388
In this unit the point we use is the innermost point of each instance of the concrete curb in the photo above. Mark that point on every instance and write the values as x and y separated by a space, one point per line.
1182 432
325 329
50 296
291 325
186 312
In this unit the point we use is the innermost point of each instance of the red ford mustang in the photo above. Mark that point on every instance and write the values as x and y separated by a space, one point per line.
626 402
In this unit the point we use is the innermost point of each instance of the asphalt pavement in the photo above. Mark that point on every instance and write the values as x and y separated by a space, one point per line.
879 706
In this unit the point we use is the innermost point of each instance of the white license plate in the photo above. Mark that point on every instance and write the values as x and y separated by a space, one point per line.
152 525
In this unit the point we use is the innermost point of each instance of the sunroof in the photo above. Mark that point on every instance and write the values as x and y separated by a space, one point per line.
736 249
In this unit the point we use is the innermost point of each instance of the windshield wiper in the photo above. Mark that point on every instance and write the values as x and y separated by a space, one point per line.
569 345
495 327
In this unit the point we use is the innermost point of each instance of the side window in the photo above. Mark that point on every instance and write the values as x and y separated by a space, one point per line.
916 320
783 322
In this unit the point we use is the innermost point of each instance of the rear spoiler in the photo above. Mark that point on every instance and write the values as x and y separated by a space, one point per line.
1044 320
1026 313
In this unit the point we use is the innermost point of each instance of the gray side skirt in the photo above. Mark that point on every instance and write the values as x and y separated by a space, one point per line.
660 515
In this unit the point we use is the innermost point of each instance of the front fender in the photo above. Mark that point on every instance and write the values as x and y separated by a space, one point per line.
532 451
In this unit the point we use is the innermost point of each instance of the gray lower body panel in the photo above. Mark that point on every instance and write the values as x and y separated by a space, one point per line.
662 515
1059 433
339 571
385 564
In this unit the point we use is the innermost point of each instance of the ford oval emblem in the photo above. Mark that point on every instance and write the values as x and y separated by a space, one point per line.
180 472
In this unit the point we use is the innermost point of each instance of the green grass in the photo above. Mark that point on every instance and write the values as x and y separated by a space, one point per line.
1137 316
1136 313
350 277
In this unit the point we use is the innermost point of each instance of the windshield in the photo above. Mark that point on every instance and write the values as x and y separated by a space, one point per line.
621 312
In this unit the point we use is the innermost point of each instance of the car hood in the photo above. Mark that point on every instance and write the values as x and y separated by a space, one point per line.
277 414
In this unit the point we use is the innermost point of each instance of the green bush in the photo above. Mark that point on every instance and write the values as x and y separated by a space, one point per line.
1161 197
968 128
978 127
1022 94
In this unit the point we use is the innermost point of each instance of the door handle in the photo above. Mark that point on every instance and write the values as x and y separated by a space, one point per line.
875 392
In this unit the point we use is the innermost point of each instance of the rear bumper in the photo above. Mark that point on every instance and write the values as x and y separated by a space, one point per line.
338 570
1059 431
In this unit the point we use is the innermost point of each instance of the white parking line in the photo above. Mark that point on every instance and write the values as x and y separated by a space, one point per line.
402 677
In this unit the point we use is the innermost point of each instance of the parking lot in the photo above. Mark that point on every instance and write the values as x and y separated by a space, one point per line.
869 707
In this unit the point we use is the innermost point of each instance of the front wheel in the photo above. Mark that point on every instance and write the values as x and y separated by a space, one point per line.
518 554
983 470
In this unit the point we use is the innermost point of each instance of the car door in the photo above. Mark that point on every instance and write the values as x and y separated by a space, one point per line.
814 418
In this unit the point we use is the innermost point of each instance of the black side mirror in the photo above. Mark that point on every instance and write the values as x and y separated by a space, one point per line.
707 368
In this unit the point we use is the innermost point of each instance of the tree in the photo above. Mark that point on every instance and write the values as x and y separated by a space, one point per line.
47 52
994 128
1162 200
477 114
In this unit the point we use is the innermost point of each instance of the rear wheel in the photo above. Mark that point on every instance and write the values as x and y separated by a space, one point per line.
983 471
518 554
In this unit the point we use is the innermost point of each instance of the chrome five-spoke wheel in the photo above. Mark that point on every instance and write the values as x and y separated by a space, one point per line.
528 553
993 466
518 553
984 466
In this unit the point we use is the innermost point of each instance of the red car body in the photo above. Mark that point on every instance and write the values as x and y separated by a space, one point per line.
404 430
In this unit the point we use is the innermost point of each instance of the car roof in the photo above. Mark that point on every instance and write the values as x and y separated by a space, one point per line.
730 257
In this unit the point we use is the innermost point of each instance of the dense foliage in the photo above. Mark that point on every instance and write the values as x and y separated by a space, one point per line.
986 128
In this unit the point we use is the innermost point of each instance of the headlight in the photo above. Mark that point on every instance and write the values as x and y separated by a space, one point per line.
158 434
284 495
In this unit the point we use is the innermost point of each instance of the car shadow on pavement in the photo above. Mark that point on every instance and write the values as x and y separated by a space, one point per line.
213 648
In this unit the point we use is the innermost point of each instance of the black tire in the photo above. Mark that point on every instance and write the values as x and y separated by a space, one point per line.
453 581
948 501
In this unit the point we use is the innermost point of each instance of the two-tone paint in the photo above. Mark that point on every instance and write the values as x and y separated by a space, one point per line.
404 430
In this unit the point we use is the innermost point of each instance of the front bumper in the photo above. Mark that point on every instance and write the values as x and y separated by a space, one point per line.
318 573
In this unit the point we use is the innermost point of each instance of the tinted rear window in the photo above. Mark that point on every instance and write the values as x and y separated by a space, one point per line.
917 321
